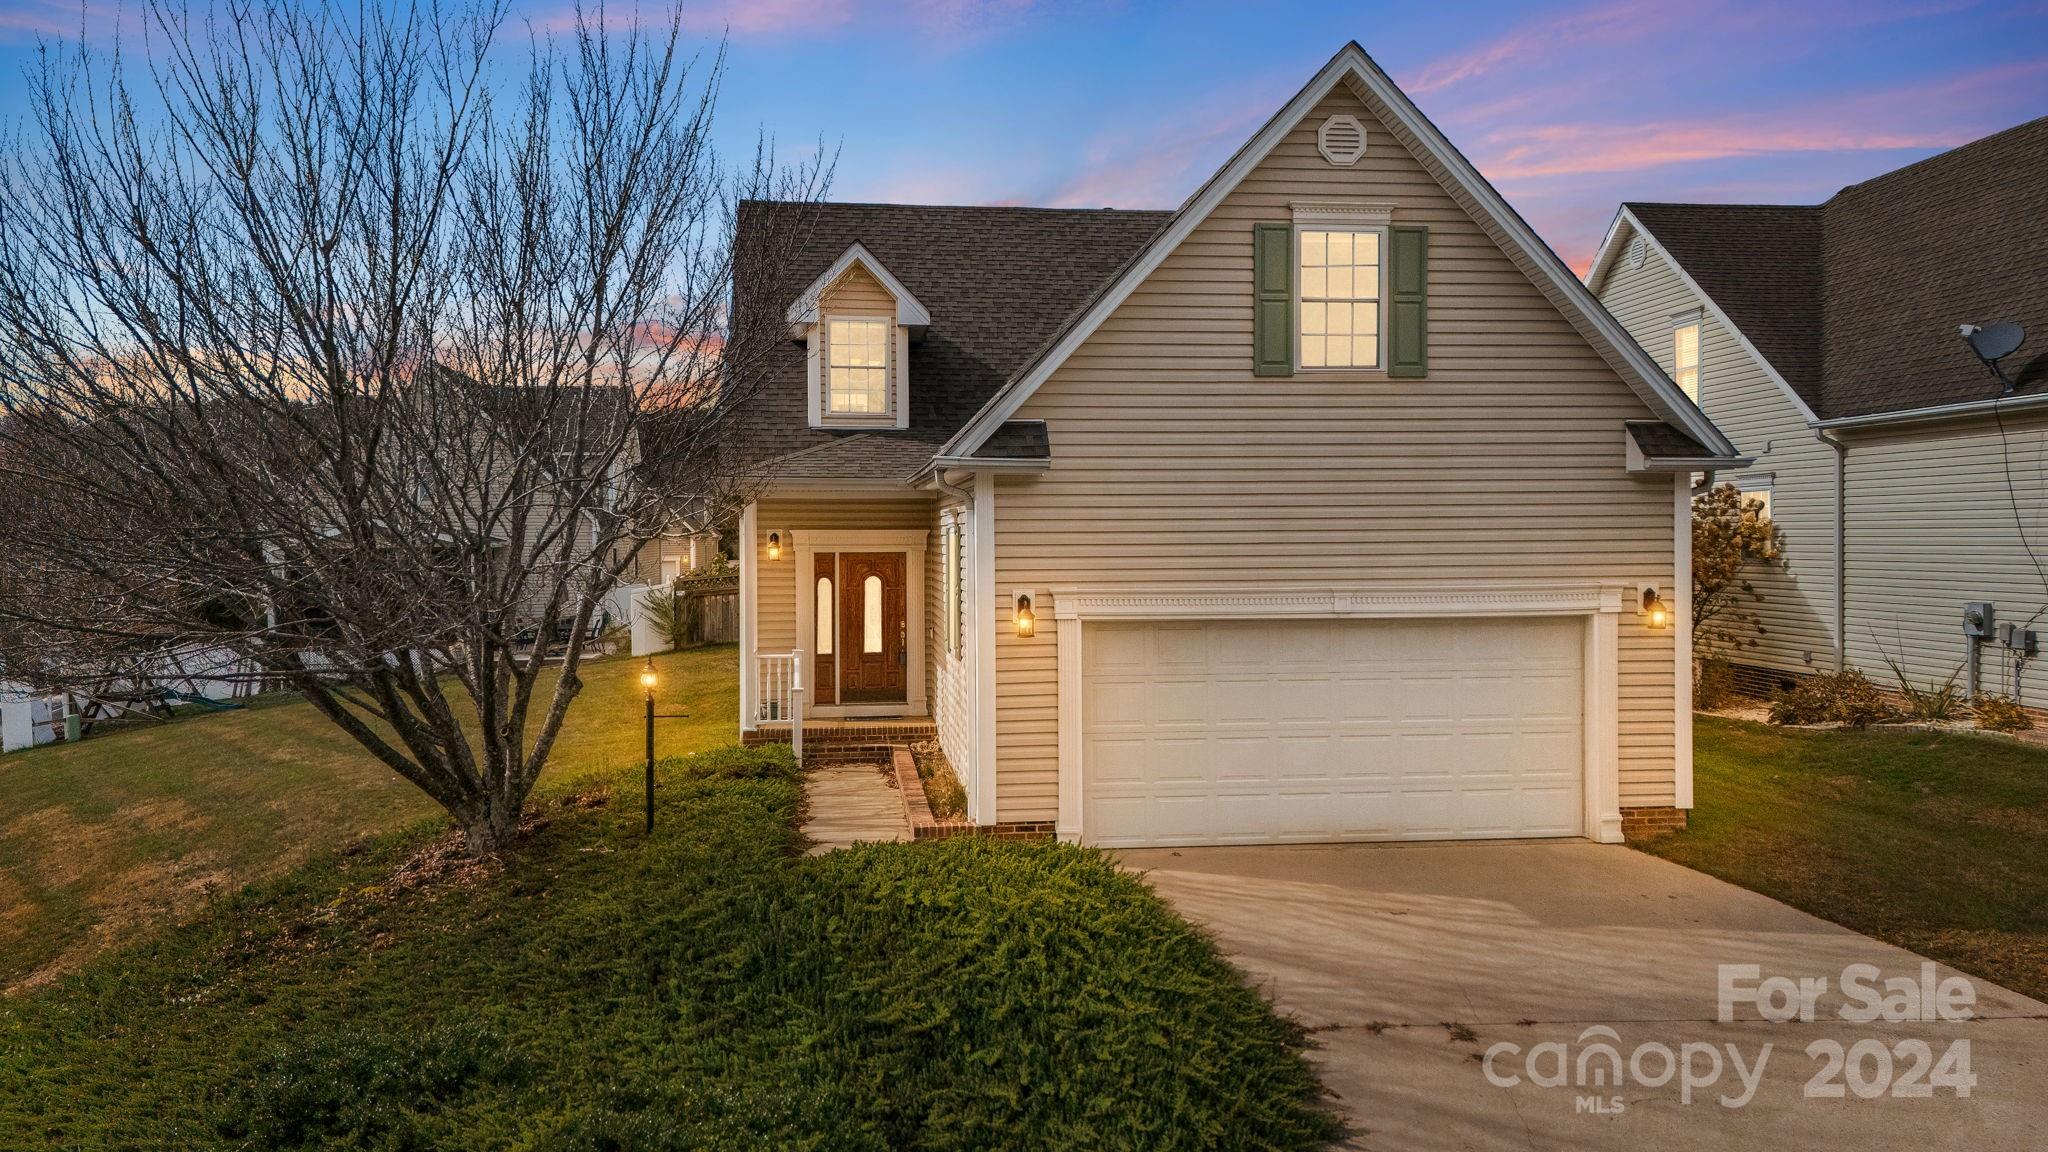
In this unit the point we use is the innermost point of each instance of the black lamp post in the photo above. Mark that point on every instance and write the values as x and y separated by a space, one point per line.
647 681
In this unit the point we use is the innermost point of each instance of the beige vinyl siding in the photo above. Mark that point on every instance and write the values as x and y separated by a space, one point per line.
1930 527
857 293
1174 466
1798 607
951 686
775 611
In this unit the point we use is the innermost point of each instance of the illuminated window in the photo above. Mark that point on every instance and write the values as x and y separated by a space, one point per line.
858 382
1685 358
871 613
1340 299
825 622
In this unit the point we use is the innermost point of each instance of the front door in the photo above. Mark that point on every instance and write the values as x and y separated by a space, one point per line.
874 633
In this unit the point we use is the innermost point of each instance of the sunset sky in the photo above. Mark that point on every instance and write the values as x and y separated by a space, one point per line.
1568 108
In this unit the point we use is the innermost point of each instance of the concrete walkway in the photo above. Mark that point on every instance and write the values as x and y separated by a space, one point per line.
852 804
1411 962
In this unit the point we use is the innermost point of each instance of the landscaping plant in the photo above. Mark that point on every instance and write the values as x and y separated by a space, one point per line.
1847 698
1730 538
2000 714
597 989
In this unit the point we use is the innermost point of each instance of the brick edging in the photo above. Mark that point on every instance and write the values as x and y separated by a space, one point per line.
917 810
1648 823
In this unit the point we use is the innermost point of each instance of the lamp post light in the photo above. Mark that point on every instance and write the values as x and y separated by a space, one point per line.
648 681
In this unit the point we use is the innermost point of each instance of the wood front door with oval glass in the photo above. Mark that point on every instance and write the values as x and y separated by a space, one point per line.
874 631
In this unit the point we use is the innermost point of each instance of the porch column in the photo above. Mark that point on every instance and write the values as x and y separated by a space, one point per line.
744 556
988 616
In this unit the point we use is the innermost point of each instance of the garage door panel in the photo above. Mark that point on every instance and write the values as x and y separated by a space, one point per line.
1275 731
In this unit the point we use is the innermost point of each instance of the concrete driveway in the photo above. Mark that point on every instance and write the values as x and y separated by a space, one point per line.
1411 962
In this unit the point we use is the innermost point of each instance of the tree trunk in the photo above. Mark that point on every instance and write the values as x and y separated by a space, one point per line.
488 826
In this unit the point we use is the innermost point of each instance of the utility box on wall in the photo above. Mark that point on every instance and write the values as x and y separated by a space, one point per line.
1979 619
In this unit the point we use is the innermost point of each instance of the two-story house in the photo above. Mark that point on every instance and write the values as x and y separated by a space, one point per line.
1329 506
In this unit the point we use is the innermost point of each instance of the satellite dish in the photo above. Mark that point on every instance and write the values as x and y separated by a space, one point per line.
1995 342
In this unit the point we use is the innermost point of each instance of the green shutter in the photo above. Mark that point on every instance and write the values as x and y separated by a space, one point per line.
1272 300
1408 302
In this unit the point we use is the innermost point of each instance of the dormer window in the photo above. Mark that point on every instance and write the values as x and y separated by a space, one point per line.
857 321
858 370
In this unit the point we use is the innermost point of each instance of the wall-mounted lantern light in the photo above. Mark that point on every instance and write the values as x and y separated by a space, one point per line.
1655 611
774 546
1026 622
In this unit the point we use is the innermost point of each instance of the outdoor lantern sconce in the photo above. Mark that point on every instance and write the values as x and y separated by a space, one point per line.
1655 611
774 546
1026 622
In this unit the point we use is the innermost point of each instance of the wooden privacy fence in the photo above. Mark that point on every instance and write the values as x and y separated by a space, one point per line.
714 613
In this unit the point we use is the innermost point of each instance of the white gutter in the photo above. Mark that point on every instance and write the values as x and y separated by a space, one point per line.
1937 412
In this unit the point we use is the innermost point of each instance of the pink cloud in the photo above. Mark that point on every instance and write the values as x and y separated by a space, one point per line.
1608 23
1940 114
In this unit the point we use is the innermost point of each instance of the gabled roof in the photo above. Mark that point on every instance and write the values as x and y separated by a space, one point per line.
1759 263
1371 85
996 281
1854 304
910 312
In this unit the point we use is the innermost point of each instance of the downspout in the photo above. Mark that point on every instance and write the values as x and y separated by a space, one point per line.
1841 546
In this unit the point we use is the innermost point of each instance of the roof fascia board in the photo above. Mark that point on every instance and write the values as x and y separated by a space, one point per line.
1604 257
1628 359
910 312
1959 411
1806 412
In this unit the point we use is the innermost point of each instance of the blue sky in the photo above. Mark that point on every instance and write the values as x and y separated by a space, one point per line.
1568 108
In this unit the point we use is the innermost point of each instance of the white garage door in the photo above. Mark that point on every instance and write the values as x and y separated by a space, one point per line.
1253 731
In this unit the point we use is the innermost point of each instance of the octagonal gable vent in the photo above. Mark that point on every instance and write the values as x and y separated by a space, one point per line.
1341 140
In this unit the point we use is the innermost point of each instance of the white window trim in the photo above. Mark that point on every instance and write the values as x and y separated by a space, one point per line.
892 392
1327 219
1694 318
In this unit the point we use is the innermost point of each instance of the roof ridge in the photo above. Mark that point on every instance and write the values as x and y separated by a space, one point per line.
1048 208
1944 154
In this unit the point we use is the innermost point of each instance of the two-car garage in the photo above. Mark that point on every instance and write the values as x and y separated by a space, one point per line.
1276 730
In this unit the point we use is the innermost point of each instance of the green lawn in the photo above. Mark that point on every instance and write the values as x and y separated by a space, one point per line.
708 987
103 841
1935 842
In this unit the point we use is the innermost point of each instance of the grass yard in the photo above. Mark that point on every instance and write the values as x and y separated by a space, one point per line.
704 988
106 840
1935 842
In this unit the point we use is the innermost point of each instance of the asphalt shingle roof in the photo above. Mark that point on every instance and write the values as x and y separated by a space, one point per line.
998 283
1856 302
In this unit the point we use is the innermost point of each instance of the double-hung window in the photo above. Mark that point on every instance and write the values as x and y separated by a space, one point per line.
1685 355
857 374
1341 288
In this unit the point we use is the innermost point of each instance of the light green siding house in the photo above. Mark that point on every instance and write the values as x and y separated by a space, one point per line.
1825 340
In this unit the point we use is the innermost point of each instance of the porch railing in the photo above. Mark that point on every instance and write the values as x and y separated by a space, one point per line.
779 693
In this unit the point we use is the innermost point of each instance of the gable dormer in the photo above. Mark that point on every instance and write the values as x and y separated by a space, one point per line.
857 321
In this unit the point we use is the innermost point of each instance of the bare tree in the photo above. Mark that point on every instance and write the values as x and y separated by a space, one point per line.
325 346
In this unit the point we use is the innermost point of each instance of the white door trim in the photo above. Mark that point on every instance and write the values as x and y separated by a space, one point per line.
909 541
1599 603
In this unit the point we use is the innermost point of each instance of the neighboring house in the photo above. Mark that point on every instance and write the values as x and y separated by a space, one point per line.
1825 340
1322 508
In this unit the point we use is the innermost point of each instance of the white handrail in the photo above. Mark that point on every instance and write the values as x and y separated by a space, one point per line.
780 677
